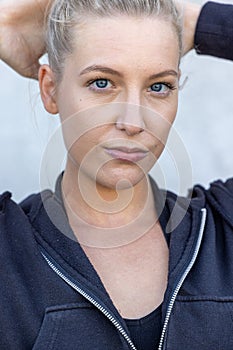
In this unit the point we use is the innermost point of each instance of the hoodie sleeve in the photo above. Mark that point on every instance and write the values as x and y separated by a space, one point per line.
214 31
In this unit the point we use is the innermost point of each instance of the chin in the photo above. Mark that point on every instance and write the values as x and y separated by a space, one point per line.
120 178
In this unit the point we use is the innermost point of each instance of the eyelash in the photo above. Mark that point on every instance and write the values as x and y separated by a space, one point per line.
170 86
89 83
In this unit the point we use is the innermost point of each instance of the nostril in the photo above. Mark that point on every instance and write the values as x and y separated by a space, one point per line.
133 129
130 119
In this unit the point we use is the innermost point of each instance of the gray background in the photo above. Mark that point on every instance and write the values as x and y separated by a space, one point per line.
204 123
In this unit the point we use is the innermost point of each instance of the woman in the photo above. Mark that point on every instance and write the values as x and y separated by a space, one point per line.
114 82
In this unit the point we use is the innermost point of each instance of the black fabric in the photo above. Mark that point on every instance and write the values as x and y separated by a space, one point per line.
214 31
41 311
146 331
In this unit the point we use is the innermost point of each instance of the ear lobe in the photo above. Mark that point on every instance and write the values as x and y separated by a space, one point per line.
48 88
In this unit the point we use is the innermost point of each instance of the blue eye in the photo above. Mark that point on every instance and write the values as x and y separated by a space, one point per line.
159 87
101 83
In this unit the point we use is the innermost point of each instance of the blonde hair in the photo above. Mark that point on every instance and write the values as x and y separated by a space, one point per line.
66 14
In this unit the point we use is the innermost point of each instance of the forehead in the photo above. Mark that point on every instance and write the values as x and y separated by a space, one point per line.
126 40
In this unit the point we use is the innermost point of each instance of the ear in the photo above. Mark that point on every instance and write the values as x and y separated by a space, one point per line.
47 84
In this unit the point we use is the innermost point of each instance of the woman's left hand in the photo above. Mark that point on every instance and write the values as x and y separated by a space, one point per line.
190 13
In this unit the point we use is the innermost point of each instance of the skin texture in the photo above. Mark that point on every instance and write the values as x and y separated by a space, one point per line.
190 13
129 112
22 34
135 109
103 42
117 107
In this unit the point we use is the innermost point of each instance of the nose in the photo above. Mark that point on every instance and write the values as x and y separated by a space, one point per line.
130 119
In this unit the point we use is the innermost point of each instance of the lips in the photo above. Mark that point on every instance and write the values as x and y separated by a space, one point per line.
127 154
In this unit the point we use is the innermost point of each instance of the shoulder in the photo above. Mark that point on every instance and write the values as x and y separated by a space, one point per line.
4 199
16 221
12 212
218 198
218 191
28 208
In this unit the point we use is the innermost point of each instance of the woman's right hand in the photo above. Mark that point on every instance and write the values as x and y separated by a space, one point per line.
22 39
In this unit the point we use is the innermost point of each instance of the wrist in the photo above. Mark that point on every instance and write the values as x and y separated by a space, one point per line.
191 14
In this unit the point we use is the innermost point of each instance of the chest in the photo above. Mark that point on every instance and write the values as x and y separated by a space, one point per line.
135 276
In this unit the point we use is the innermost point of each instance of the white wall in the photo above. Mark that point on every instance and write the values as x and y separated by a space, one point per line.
204 123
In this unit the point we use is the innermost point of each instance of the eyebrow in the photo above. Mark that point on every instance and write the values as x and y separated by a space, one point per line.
164 74
103 69
96 68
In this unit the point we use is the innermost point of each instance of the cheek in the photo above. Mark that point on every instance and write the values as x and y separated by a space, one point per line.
85 148
158 123
92 121
70 99
80 149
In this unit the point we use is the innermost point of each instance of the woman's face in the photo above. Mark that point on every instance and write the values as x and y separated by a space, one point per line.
118 96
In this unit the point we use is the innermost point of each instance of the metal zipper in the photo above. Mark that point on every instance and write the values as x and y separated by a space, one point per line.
91 300
183 277
172 300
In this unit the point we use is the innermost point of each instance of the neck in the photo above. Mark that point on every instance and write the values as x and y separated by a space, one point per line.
92 207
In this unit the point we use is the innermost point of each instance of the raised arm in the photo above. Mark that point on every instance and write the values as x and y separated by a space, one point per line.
22 34
214 31
209 29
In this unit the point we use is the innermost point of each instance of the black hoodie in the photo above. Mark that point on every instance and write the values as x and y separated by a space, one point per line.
52 297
